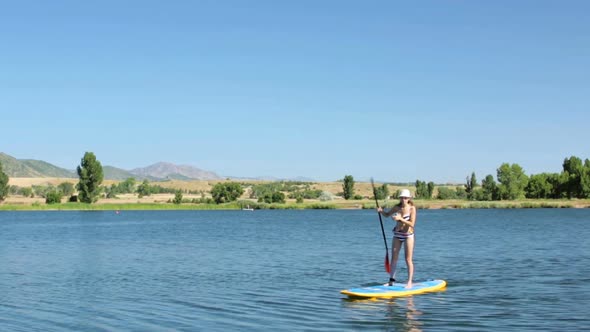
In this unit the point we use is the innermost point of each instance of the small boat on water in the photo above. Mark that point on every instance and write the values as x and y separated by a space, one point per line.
248 208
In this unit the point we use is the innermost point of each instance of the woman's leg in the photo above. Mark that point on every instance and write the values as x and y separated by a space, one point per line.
409 250
395 248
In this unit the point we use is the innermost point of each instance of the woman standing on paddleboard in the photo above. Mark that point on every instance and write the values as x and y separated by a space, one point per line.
404 214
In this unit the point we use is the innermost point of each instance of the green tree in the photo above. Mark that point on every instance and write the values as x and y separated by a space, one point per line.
538 186
558 184
348 187
278 197
223 192
177 197
27 192
430 188
422 190
573 171
66 188
14 190
127 186
585 180
489 189
42 191
111 192
312 194
91 175
53 197
299 198
266 198
478 194
144 189
382 192
446 193
470 185
461 193
4 187
267 189
512 181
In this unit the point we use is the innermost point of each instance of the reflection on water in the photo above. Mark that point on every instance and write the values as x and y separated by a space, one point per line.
404 311
397 314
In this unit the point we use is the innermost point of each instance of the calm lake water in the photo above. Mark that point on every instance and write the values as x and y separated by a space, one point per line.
283 270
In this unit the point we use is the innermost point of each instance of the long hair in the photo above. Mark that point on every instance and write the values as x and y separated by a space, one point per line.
410 202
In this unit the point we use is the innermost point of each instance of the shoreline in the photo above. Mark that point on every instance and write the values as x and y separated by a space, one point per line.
309 205
199 188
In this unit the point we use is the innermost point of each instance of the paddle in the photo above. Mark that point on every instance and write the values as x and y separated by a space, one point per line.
387 265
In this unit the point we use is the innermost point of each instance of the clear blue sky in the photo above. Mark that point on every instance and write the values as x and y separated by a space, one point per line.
429 90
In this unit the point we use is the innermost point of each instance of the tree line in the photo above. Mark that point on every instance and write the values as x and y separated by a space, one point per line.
510 183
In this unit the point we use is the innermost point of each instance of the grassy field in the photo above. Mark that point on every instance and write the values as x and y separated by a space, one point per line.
361 188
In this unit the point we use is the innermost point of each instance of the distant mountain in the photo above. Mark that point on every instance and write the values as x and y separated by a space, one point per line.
302 179
171 171
176 176
270 178
114 173
29 168
48 169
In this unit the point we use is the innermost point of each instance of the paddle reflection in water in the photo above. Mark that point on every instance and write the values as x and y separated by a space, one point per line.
399 314
404 307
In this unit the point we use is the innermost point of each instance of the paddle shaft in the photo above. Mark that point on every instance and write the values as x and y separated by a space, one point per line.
381 222
387 265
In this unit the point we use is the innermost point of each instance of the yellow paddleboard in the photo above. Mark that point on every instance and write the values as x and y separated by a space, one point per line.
396 290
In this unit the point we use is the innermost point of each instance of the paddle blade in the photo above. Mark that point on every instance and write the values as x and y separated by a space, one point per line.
387 265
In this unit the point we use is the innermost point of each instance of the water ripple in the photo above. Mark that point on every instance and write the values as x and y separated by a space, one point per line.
283 270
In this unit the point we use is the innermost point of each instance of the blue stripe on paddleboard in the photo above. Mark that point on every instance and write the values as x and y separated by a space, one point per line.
396 287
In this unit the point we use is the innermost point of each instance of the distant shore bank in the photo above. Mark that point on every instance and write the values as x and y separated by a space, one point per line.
195 190
337 204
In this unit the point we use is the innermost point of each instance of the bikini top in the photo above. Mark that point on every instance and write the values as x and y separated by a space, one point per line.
406 218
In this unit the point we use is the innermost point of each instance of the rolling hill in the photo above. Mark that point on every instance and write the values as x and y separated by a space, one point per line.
29 168
114 173
164 170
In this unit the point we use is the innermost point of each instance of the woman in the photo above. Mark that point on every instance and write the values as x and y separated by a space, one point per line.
405 216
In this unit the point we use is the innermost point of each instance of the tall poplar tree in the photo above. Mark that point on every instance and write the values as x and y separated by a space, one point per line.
470 185
430 187
91 175
3 184
489 189
348 187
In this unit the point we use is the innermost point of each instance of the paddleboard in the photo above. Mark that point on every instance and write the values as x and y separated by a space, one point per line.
396 290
